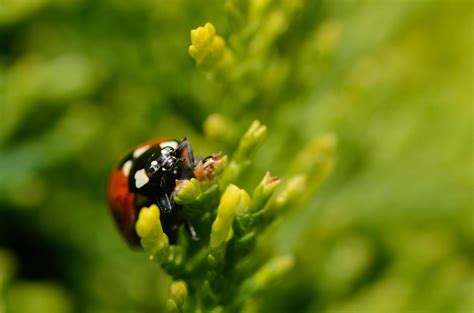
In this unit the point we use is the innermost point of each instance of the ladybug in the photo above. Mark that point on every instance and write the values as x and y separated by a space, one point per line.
146 176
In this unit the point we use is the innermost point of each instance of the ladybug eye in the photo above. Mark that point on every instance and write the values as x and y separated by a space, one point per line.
152 168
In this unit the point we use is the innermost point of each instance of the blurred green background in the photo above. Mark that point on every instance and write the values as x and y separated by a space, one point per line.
83 81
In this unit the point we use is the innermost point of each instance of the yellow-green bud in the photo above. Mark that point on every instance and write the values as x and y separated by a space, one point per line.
257 9
244 205
208 49
178 292
202 39
187 191
264 191
272 271
215 125
154 241
228 205
232 200
241 158
319 153
171 306
316 160
291 191
250 140
265 276
218 127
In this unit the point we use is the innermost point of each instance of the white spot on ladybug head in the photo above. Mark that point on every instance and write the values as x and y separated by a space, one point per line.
166 151
126 167
140 178
140 151
173 144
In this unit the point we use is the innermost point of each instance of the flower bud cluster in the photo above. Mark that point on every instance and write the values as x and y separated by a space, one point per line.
228 222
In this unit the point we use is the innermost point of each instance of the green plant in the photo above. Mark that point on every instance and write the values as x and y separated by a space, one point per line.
224 269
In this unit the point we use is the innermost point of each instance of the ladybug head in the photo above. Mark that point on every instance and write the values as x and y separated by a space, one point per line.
166 161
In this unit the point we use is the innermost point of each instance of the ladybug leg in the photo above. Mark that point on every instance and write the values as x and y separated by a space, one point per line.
164 202
192 232
184 149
